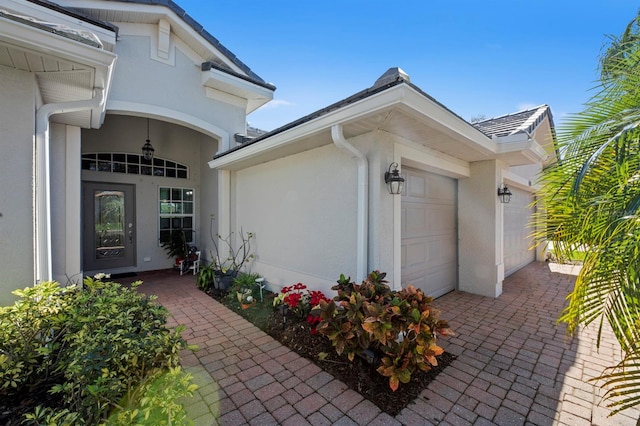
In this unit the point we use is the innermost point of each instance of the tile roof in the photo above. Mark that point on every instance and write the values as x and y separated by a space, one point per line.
75 14
518 122
392 77
81 36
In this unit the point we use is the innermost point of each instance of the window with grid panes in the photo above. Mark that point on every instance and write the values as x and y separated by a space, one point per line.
133 164
176 212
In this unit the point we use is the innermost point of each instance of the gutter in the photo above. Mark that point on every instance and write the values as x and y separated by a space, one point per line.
42 179
363 200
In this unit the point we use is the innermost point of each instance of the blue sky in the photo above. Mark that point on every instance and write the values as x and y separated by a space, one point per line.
476 57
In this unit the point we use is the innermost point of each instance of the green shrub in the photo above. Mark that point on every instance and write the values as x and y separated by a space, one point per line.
95 346
398 327
30 337
155 401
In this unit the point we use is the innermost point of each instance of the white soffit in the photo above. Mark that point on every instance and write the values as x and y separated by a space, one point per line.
66 70
255 95
520 149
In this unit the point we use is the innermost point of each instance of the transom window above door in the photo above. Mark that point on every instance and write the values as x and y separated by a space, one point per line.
133 164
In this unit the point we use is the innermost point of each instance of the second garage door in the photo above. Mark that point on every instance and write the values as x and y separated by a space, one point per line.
517 233
429 232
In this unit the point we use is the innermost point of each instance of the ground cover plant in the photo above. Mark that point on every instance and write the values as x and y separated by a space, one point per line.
97 355
290 318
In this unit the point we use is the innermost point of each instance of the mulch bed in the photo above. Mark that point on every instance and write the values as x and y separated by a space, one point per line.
13 409
359 375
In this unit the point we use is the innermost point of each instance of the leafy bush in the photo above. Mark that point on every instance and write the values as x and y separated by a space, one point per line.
30 337
398 327
90 347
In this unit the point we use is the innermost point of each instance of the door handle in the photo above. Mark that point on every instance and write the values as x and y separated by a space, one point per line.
131 237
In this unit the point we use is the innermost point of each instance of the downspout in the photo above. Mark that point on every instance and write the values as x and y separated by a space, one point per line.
42 191
363 200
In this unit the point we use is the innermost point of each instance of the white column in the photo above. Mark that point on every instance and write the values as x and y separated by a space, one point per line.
224 203
73 218
480 230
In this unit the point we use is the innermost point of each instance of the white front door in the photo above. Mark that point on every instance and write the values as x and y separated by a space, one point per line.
517 233
429 232
109 238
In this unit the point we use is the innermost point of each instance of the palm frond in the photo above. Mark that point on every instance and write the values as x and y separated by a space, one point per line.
623 383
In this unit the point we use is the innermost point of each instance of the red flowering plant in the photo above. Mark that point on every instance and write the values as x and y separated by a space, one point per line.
301 301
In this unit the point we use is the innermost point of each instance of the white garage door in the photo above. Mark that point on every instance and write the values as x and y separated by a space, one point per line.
517 239
429 232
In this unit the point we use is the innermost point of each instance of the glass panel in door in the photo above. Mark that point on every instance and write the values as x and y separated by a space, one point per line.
109 226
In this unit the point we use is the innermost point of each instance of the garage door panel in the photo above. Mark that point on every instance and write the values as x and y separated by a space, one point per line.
421 186
416 186
415 254
428 219
438 281
429 252
517 236
429 232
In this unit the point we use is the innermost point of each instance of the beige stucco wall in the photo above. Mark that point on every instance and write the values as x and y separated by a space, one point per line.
302 209
172 142
176 86
17 124
480 227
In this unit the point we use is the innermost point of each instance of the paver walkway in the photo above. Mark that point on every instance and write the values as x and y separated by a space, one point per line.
514 365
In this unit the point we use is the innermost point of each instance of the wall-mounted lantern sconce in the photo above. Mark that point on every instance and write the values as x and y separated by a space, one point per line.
504 194
393 179
147 148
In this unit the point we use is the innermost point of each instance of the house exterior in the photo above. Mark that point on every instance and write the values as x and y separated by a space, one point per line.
85 83
80 81
314 193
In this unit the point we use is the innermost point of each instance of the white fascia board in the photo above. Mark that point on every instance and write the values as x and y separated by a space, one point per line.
255 95
519 181
522 143
429 160
21 7
42 42
450 123
324 122
401 95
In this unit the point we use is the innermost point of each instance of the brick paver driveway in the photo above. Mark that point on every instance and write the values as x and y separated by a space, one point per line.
514 365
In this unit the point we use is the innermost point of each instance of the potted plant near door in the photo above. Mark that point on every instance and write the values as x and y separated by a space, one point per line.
227 260
177 246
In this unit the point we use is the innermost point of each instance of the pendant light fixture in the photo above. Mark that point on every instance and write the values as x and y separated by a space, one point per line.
147 148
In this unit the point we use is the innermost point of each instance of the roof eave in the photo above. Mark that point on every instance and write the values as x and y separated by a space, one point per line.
176 15
400 96
520 149
256 94
49 12
37 41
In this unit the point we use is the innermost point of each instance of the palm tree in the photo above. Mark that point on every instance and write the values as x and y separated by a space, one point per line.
591 200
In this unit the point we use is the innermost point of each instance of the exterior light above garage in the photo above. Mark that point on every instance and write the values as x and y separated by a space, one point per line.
504 194
393 179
